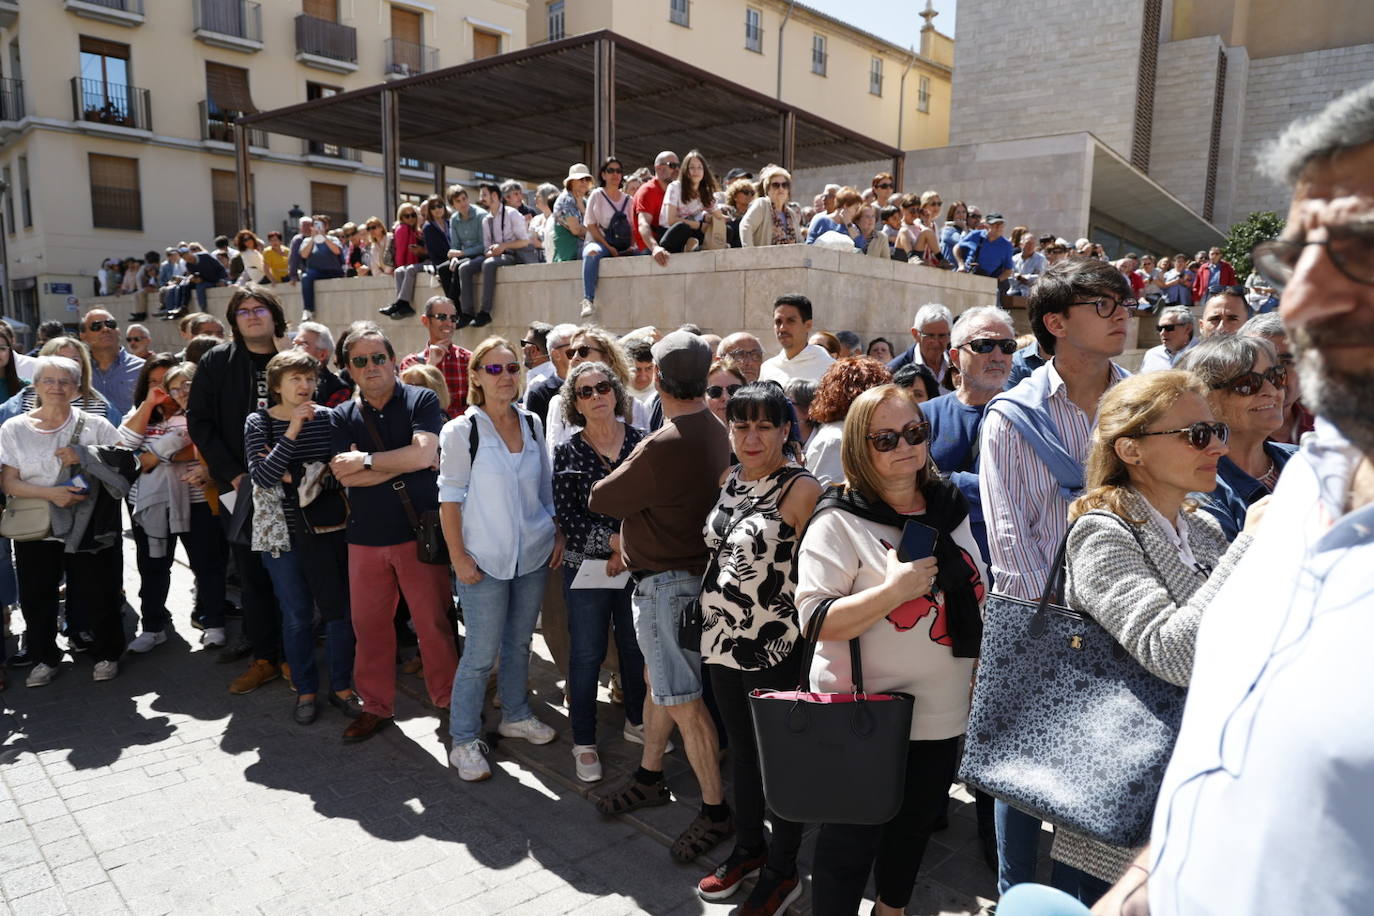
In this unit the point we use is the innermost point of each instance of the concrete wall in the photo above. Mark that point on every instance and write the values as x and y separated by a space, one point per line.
1282 89
1184 90
1276 28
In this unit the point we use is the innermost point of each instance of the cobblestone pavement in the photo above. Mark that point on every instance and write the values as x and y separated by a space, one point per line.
159 792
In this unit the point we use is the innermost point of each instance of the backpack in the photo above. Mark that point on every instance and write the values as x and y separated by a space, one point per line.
474 437
617 232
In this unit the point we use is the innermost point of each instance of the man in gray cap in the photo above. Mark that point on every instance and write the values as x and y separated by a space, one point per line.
663 493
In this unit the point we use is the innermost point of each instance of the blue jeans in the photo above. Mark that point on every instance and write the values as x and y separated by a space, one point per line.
1038 900
1083 887
499 615
592 253
295 598
590 611
308 278
9 585
1018 846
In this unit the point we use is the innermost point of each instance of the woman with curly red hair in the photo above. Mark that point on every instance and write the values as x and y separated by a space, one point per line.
844 381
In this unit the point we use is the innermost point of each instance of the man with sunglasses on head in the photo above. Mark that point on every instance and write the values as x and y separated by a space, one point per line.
649 202
441 321
1035 440
386 445
1175 327
114 370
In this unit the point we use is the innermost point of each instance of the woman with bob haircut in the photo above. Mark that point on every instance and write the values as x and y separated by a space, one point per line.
918 625
842 382
773 218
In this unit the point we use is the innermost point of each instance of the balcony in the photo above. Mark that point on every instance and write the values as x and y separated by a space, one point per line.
217 126
232 24
326 45
111 104
330 156
9 11
11 99
128 13
406 58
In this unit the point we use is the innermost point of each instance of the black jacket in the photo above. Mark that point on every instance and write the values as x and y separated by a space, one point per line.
222 396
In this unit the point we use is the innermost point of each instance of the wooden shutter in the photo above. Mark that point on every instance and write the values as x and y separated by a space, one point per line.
322 9
405 25
104 48
485 44
224 201
331 200
227 88
116 200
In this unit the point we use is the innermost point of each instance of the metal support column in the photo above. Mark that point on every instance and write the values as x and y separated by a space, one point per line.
787 141
243 177
898 171
603 103
439 185
391 151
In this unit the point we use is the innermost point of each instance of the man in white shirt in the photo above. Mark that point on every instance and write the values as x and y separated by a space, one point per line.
798 359
534 345
1176 335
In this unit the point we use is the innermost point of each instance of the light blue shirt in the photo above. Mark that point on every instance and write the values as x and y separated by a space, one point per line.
117 382
507 498
1157 358
1268 802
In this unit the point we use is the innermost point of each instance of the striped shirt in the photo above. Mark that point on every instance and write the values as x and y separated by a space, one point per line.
1025 510
313 443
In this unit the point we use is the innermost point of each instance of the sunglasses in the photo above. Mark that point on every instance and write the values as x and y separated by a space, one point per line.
497 368
1250 383
358 362
101 325
132 339
779 184
914 433
1166 328
410 216
613 171
885 187
586 392
1199 434
988 344
715 391
443 316
673 165
584 351
1106 306
745 192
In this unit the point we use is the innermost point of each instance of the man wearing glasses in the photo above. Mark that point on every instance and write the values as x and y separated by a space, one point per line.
138 341
648 203
538 395
440 319
114 370
746 351
930 330
1176 335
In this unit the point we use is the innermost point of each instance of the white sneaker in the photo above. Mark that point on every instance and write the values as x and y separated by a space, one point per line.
588 308
105 671
531 729
213 637
40 676
587 772
307 315
635 735
470 760
145 641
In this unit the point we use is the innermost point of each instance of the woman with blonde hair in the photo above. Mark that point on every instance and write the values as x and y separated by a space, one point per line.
595 345
431 377
1141 560
408 250
374 243
773 218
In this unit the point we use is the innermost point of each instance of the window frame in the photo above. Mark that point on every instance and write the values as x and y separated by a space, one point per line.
753 31
556 12
923 95
680 13
101 217
875 76
820 54
25 198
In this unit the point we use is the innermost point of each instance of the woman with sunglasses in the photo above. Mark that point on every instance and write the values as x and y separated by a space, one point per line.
842 382
496 507
596 405
609 211
408 249
375 241
594 345
1245 383
1141 561
723 379
773 218
918 624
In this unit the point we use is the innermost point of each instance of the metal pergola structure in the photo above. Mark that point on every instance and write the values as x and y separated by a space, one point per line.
535 111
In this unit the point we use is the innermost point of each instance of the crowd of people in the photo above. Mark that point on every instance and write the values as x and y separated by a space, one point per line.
710 512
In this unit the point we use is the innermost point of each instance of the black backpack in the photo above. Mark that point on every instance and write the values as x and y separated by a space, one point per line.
617 233
474 437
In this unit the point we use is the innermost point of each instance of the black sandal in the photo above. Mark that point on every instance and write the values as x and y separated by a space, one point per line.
701 836
633 794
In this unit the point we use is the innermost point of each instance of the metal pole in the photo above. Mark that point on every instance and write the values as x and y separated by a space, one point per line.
787 141
243 176
439 179
391 151
898 168
603 103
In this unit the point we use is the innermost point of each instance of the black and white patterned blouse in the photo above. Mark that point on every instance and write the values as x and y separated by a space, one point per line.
576 467
749 614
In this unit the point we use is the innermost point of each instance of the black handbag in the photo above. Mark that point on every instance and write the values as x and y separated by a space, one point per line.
837 758
1065 725
430 546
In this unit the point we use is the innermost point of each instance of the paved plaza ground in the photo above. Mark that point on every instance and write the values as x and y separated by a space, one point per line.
159 792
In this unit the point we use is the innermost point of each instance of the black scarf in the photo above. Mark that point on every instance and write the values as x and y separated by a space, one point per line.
946 510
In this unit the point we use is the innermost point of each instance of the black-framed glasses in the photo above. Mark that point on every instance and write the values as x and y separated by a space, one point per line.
1106 306
497 368
986 345
1349 246
1250 383
586 392
444 316
410 216
100 325
358 362
715 391
914 433
1199 434
584 351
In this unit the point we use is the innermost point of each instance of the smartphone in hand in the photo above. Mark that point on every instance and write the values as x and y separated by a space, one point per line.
918 542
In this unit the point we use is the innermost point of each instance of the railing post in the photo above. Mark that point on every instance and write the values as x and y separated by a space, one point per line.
603 102
391 151
243 177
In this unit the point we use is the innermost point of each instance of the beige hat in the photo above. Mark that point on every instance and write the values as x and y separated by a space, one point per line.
577 171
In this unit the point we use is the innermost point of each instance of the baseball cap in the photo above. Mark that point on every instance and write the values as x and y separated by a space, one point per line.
682 357
994 218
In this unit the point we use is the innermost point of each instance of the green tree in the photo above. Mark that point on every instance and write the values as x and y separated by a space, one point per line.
1245 235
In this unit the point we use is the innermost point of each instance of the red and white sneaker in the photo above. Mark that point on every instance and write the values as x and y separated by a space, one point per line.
726 879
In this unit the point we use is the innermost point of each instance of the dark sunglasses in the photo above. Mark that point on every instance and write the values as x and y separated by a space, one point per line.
715 391
1166 328
443 316
410 216
497 368
358 362
673 165
886 186
779 184
584 351
100 325
988 344
747 192
914 433
132 339
613 171
1199 434
1248 383
587 391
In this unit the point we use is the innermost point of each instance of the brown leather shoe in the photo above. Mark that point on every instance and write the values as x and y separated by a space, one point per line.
258 673
365 726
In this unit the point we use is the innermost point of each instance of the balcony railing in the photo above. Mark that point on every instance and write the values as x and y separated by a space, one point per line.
330 151
126 6
11 99
111 103
128 13
218 124
229 23
406 58
323 38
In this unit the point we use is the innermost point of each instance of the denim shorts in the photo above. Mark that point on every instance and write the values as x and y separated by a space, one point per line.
658 602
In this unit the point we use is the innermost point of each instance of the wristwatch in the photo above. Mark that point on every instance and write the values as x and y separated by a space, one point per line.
367 461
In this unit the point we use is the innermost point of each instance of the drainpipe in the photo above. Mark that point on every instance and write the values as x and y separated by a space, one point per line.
785 16
901 98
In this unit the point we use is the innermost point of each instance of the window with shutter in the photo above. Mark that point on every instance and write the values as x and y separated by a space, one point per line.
116 201
331 200
322 9
226 89
485 44
224 200
406 25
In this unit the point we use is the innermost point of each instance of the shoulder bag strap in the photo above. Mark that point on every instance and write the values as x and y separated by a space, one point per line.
398 485
1054 586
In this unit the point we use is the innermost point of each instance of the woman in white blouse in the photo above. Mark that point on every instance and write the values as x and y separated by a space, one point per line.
689 204
250 252
496 508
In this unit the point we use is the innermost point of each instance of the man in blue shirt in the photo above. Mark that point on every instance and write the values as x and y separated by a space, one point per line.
984 251
114 370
